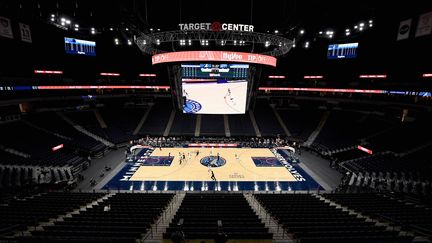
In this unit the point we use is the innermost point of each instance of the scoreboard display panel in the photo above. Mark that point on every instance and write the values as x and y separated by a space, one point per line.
219 71
341 51
79 47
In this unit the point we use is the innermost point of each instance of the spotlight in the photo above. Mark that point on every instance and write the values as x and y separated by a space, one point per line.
370 25
370 21
158 29
182 42
52 15
111 29
151 29
276 31
361 24
302 32
222 42
68 21
157 42
361 28
347 30
52 19
127 29
76 25
267 43
63 20
129 42
116 41
320 32
355 26
306 44
76 29
189 42
347 33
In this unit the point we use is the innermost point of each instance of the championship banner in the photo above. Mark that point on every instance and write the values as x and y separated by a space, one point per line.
214 56
424 26
404 29
25 33
5 28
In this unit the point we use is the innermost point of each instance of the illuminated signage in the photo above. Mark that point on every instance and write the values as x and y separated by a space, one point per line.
47 72
216 26
57 147
147 75
103 87
110 74
364 149
215 56
365 91
213 145
281 77
314 77
374 76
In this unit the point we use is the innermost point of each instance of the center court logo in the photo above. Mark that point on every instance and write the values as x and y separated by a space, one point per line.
191 106
213 161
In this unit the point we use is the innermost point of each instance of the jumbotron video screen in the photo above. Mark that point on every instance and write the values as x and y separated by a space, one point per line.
214 88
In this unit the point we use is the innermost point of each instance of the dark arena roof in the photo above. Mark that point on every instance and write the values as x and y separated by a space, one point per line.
215 121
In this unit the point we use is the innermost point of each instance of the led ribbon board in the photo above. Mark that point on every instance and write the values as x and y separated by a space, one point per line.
213 56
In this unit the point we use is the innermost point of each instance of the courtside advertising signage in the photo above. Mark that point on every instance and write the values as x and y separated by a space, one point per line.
216 26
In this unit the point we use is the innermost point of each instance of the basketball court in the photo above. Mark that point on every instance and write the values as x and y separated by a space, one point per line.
191 168
234 169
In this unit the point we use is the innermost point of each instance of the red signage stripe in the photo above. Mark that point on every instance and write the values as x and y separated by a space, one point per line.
373 76
314 77
48 72
110 74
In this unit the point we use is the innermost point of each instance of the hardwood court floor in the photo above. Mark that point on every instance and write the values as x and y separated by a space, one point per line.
242 169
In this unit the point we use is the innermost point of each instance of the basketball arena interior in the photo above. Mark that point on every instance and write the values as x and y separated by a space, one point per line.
215 121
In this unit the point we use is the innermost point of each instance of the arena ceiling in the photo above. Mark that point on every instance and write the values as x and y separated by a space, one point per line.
285 16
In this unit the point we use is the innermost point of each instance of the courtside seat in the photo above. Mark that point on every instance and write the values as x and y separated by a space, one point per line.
41 208
310 219
128 217
386 208
201 212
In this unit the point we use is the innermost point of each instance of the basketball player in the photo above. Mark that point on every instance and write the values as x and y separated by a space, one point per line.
186 94
212 175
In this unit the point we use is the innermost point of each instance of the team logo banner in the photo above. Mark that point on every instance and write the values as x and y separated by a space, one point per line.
424 26
404 29
25 33
5 28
